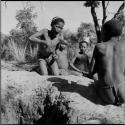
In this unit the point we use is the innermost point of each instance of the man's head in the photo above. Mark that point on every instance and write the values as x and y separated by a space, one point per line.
57 24
112 28
62 46
83 46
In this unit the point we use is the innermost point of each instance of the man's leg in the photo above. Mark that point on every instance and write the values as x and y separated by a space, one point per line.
43 68
72 72
63 72
55 68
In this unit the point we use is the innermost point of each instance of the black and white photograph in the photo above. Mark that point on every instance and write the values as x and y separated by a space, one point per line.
62 62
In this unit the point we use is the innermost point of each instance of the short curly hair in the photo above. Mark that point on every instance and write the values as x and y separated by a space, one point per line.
111 28
57 19
83 41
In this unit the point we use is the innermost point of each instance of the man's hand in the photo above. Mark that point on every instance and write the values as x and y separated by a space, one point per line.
55 56
49 59
86 74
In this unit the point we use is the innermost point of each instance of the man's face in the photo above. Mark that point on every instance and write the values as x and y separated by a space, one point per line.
59 27
83 47
62 46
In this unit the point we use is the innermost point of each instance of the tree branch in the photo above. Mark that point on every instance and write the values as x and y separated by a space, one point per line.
104 12
107 4
97 28
119 10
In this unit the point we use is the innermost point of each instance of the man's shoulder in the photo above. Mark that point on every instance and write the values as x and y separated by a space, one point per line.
45 30
102 45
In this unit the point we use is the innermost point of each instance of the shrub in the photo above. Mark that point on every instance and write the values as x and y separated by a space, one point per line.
18 51
31 54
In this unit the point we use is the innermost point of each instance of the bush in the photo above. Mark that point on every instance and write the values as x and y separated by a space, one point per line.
13 50
31 54
18 51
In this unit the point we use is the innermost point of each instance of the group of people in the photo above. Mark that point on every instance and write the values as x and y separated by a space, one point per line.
107 62
52 53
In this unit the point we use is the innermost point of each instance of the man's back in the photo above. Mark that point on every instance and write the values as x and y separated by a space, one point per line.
82 61
111 62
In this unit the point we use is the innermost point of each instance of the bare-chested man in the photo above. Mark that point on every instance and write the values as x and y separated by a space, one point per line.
48 40
63 62
81 61
109 63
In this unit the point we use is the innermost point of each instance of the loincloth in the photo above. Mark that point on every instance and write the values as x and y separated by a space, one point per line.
49 60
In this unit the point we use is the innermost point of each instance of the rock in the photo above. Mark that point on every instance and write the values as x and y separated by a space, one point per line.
30 98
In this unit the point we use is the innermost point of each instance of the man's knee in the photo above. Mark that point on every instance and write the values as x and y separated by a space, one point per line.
63 72
72 72
43 67
55 68
55 72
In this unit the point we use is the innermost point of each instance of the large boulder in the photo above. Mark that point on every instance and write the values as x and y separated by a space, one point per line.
27 97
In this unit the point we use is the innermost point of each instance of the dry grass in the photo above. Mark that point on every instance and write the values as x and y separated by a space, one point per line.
32 54
17 51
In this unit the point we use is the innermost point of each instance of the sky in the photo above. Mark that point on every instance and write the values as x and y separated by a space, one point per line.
73 12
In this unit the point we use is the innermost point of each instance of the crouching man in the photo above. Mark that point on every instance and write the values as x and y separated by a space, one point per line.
108 62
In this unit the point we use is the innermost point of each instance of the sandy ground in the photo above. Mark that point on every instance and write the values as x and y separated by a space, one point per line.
85 104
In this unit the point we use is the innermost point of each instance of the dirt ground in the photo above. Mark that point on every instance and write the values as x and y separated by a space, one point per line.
24 92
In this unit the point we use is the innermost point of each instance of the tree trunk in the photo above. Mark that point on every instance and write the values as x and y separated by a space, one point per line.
104 12
97 28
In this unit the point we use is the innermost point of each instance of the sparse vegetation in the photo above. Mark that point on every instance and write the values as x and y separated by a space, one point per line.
17 51
17 46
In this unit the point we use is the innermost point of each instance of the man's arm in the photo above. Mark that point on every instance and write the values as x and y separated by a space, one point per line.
72 64
36 36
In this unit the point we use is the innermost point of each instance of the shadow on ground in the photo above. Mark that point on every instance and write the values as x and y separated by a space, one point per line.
87 92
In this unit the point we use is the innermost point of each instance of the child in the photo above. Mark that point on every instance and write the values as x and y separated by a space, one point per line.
62 59
80 62
47 40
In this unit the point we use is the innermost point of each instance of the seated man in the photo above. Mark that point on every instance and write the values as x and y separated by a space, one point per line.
62 60
81 61
47 41
109 63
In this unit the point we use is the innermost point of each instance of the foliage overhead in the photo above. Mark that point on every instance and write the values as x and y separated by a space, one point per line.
86 29
92 3
26 18
70 37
